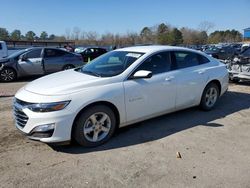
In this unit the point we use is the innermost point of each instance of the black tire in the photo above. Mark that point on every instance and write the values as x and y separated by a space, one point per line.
67 67
84 120
205 100
8 74
234 80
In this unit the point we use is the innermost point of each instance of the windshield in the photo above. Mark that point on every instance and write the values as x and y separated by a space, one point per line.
17 53
111 63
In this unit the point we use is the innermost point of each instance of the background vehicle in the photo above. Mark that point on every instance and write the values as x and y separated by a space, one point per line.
119 88
37 61
245 53
89 54
3 49
224 52
239 67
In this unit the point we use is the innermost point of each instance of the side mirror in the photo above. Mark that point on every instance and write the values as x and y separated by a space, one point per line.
142 74
23 57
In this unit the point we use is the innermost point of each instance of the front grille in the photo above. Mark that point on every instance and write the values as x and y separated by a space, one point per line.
20 117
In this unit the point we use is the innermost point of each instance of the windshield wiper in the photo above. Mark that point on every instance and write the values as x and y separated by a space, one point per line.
91 73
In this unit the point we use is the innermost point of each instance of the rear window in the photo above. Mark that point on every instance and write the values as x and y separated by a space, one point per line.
54 53
202 59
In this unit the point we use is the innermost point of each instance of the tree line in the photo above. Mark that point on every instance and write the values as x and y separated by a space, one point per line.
162 33
16 35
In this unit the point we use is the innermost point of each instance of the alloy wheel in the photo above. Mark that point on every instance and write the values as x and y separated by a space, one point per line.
97 127
7 75
211 97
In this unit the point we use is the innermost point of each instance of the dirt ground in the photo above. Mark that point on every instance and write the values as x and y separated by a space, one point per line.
214 148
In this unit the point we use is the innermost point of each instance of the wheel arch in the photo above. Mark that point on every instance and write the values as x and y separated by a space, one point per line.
105 103
217 82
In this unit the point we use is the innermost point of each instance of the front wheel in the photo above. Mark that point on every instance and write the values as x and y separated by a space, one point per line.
8 74
209 97
94 126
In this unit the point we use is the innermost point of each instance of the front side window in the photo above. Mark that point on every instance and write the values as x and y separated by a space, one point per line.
34 54
111 64
157 63
1 46
184 59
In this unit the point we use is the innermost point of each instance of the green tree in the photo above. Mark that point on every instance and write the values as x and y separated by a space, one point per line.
4 34
175 37
44 35
30 35
15 35
147 35
163 34
52 37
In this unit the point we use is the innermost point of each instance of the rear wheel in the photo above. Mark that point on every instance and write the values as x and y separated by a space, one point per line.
66 67
8 74
94 126
209 97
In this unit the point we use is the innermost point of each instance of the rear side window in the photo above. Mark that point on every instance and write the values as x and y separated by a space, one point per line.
34 54
184 59
54 53
1 46
202 59
157 63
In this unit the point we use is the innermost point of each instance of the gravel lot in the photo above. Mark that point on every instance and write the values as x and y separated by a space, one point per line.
214 148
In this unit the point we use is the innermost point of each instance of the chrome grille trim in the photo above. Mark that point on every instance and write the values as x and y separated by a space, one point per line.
20 117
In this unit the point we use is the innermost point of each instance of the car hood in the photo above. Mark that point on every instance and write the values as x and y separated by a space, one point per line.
4 60
63 83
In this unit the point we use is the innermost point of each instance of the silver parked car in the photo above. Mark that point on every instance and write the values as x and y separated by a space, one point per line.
37 61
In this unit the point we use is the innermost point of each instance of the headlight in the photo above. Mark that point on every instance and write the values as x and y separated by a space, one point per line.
48 107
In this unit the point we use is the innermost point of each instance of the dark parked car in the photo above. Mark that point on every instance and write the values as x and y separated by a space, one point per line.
89 54
245 54
225 52
37 61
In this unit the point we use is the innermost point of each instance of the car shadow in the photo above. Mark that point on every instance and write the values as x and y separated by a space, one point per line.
166 125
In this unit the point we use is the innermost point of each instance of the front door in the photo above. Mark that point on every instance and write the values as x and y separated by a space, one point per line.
31 62
150 96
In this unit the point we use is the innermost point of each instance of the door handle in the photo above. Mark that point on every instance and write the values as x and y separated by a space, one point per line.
201 71
169 78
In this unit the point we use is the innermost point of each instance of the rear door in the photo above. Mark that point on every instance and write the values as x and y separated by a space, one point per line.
54 60
190 75
31 63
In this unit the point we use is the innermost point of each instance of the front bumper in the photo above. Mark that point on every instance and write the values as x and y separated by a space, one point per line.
28 122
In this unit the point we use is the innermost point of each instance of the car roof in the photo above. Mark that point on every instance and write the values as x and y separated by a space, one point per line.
153 48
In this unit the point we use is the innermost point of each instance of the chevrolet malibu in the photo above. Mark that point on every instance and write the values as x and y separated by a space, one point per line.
119 88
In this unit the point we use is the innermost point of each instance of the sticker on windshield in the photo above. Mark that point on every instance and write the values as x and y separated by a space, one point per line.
135 55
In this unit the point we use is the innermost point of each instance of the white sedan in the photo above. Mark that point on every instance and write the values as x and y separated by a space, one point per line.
119 88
